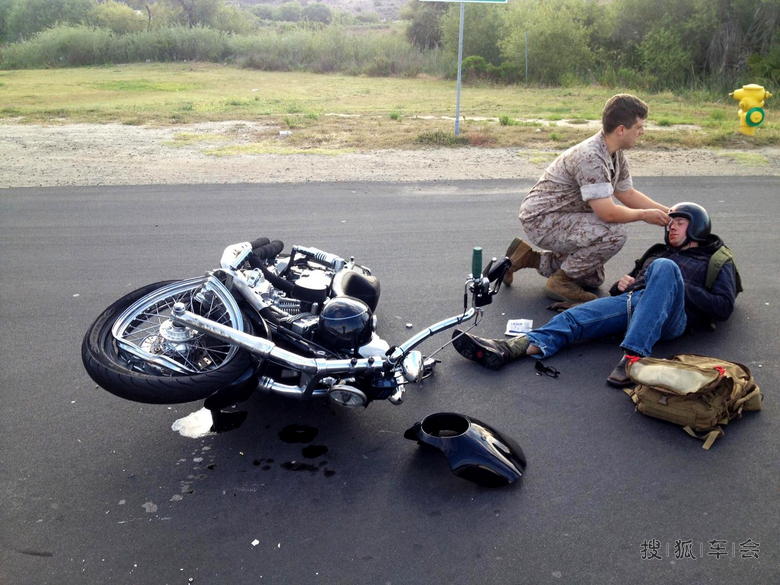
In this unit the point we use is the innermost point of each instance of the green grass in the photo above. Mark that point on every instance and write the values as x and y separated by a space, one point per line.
336 111
749 159
441 138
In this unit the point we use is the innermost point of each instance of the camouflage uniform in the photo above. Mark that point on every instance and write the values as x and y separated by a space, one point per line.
555 214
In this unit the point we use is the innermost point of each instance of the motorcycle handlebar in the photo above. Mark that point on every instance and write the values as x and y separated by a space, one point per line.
264 249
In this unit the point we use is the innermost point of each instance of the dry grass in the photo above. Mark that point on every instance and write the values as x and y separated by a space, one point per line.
336 112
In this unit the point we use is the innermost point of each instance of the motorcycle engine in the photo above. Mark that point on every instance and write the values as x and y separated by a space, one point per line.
344 324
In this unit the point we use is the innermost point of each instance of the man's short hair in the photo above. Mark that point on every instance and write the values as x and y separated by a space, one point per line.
622 110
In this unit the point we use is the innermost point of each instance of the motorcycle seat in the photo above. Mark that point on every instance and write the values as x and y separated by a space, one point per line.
351 283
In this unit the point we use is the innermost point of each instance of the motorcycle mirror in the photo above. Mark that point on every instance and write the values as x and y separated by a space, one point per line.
412 366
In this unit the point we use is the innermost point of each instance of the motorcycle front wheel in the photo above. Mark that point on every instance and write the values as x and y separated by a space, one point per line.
134 351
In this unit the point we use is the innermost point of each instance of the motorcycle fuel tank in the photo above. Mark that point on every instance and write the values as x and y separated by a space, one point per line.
475 451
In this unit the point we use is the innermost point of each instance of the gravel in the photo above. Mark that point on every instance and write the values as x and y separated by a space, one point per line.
115 154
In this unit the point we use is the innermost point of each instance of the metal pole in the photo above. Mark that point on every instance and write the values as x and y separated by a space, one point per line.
526 57
460 61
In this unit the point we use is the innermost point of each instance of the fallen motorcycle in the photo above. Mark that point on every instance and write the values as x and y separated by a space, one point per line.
300 325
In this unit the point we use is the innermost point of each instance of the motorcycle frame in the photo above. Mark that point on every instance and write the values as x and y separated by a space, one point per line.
402 364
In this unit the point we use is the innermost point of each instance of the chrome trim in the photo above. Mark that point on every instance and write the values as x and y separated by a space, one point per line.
412 366
410 344
269 350
335 262
270 385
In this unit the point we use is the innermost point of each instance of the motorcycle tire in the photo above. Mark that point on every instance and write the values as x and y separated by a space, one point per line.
112 371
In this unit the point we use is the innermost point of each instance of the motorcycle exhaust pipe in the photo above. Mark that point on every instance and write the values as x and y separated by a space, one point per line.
271 386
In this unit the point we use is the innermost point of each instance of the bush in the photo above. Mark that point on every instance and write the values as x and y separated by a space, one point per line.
5 9
234 20
262 11
368 18
482 31
767 67
423 30
474 67
327 50
380 67
441 138
28 17
288 12
316 13
558 36
118 17
664 55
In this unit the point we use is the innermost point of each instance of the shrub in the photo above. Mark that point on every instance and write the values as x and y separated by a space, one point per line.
474 67
316 13
558 36
28 17
118 17
484 28
368 18
262 11
289 12
665 56
441 138
423 30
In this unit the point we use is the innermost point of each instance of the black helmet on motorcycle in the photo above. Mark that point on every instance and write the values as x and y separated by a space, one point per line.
699 225
344 324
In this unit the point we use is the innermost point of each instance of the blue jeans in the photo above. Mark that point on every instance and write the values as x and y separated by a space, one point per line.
657 312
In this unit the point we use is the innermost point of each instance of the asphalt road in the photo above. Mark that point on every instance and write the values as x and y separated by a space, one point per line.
95 490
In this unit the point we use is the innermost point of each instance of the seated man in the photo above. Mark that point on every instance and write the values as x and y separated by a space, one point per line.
665 293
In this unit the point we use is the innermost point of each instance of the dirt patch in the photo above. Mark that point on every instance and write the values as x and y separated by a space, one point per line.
114 154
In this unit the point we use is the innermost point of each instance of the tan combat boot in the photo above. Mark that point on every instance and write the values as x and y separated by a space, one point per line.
560 287
522 256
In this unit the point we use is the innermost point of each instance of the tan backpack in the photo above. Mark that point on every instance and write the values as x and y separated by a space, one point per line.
697 392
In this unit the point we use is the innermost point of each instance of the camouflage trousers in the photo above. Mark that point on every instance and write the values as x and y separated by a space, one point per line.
577 243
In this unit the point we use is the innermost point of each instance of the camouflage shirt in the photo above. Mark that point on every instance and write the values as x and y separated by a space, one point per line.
582 173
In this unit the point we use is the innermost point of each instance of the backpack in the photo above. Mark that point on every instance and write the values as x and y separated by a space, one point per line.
697 392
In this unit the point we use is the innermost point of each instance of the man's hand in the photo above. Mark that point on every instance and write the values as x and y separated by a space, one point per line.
656 217
625 282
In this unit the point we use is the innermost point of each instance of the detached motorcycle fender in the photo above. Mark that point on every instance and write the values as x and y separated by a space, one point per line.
475 451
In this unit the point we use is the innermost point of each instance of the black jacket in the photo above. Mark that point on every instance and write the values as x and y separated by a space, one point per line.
702 306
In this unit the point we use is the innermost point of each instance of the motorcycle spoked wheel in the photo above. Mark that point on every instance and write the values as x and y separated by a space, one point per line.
127 377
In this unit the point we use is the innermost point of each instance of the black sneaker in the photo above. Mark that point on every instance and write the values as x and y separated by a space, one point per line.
490 353
619 378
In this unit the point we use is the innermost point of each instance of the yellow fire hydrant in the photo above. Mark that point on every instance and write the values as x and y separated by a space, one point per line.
751 107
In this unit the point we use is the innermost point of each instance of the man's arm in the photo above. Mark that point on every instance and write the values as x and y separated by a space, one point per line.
607 211
717 303
638 200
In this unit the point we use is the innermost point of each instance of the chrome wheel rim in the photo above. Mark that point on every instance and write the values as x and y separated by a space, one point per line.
147 338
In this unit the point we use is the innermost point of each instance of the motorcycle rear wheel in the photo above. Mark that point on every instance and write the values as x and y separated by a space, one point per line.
132 378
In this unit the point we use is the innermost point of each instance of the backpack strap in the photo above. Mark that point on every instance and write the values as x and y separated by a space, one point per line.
717 261
708 438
